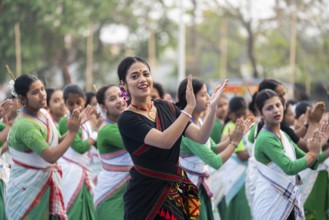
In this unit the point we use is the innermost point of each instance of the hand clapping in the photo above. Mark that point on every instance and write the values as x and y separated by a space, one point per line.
314 143
214 99
190 97
74 121
241 128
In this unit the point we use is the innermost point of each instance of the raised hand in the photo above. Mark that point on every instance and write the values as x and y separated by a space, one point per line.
316 112
8 110
87 113
314 143
248 123
238 132
190 97
214 99
324 131
73 122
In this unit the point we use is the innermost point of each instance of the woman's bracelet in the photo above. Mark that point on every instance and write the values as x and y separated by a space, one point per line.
190 116
234 144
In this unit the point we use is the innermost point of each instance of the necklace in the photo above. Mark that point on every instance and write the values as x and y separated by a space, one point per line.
151 114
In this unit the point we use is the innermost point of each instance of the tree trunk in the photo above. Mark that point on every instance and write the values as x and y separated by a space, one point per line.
251 52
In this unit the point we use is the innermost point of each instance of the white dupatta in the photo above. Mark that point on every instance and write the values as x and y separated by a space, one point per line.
30 176
75 170
277 194
114 174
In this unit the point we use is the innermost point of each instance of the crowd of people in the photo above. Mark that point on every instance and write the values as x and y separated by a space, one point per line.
129 151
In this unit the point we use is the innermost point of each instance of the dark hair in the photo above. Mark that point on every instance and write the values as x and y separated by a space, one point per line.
23 83
100 95
126 63
159 88
289 103
49 92
271 84
73 88
301 108
263 96
260 99
89 96
237 103
197 85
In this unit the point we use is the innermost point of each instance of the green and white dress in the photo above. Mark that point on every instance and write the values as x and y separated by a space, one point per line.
235 204
278 161
315 191
195 159
316 205
34 187
76 185
113 178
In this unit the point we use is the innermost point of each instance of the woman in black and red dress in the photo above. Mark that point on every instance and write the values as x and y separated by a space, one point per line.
151 132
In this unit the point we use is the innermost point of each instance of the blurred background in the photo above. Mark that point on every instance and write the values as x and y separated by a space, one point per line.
244 40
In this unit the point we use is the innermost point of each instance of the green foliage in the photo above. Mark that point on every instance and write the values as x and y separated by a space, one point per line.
54 34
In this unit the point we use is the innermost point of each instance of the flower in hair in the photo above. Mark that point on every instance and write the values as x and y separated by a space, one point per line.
11 86
124 93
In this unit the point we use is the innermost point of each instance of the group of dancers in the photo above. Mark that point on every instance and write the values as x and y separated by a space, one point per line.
139 156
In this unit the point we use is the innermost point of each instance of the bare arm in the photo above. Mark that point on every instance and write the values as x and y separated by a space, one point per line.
241 128
201 134
51 155
168 137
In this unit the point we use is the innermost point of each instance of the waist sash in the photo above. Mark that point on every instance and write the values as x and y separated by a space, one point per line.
176 177
114 174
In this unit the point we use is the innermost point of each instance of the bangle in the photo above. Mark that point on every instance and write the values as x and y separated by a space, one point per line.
313 155
234 144
190 116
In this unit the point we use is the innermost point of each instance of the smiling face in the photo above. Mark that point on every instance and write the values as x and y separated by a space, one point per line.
272 111
36 97
139 81
113 102
202 100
